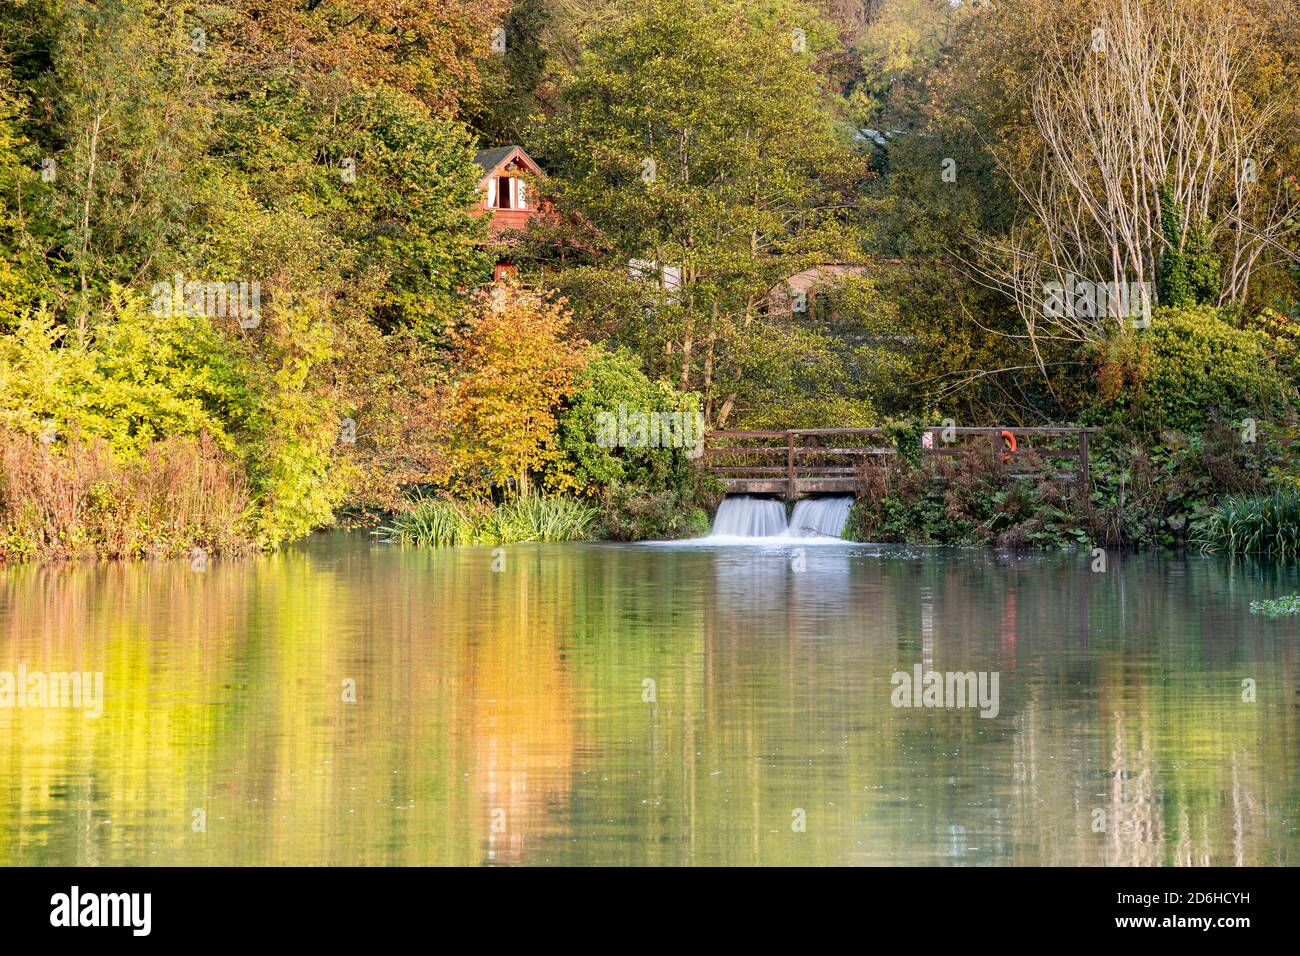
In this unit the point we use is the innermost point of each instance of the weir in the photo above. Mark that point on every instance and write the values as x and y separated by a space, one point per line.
743 516
820 517
740 516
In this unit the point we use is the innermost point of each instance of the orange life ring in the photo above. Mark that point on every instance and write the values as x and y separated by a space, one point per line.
1009 441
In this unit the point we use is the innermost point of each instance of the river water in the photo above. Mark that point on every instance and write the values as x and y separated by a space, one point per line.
352 702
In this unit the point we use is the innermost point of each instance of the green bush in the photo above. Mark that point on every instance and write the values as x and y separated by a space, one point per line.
1149 492
610 381
968 498
140 380
1188 361
634 514
644 493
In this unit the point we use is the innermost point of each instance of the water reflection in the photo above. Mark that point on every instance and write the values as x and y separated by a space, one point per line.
628 704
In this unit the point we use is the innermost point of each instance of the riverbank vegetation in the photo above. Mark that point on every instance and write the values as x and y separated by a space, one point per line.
1277 607
1267 524
244 288
440 523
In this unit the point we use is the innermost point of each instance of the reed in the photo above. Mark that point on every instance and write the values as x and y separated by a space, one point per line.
1256 524
77 500
440 522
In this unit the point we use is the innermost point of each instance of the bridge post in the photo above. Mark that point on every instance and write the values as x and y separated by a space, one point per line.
789 465
1083 466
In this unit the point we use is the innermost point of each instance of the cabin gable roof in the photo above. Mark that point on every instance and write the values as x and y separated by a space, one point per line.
490 161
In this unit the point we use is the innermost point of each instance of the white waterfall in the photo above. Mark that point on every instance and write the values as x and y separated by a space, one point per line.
820 517
740 516
814 519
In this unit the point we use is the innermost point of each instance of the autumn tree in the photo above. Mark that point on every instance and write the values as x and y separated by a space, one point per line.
433 51
513 366
310 149
1156 134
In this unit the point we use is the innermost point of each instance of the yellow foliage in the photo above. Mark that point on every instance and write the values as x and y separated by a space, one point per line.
514 368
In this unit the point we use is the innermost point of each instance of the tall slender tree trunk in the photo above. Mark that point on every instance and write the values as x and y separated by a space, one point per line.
83 310
708 368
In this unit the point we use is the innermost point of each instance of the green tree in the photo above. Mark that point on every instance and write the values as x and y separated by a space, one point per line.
117 107
699 141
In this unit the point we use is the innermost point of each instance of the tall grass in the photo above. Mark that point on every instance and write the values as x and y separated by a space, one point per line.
76 500
1257 524
439 522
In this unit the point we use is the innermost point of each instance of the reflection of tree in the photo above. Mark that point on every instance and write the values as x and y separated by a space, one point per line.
79 789
1135 824
523 715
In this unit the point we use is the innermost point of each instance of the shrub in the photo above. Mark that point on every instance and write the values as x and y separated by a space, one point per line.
1152 492
139 379
1187 362
611 380
645 493
514 368
142 380
966 498
635 514
1281 330
290 456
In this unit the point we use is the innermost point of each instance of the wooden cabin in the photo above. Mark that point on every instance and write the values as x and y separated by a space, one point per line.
803 288
507 197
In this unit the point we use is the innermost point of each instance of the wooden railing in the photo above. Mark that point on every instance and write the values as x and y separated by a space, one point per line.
799 461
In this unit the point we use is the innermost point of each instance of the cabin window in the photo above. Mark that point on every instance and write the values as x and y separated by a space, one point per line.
504 192
507 192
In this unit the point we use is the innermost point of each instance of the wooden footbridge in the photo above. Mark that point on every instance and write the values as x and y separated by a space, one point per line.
798 462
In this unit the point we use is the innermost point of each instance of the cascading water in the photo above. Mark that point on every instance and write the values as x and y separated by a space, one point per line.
820 517
742 516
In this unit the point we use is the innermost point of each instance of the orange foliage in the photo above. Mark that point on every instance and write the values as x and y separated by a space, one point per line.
429 49
514 368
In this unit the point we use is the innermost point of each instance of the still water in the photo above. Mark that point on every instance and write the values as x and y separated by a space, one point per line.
639 704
